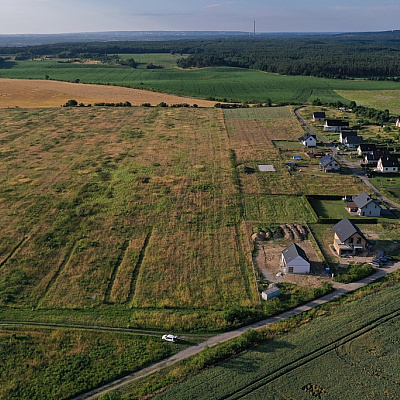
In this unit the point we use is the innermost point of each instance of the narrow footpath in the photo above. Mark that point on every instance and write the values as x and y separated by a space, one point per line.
340 289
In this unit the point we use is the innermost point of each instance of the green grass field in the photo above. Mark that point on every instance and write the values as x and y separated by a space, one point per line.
233 84
345 354
58 363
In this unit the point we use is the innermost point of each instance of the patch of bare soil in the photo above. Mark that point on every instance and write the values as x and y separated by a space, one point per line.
27 93
268 255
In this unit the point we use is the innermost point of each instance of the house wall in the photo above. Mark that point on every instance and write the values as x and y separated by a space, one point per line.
354 239
298 266
370 210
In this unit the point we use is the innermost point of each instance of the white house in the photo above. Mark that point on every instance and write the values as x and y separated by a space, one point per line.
294 260
335 125
388 164
365 148
308 140
364 205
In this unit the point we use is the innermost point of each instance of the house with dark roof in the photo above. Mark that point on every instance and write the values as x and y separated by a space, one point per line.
348 239
308 140
335 125
318 116
329 164
365 148
364 206
353 141
388 164
374 156
294 260
344 134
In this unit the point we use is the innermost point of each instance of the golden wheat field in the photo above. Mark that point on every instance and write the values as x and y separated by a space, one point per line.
26 93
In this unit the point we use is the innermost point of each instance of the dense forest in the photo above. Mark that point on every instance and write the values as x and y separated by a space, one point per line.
343 56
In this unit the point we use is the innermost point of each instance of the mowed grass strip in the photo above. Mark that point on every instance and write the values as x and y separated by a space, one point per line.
277 208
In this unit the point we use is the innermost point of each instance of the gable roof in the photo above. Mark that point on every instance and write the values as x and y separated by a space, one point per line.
293 251
307 136
389 161
353 139
327 160
336 122
345 229
367 146
345 134
319 114
362 200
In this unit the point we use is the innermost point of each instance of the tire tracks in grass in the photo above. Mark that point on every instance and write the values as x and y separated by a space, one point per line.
138 265
14 250
118 262
300 362
53 279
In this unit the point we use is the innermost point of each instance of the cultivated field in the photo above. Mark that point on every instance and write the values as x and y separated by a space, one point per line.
345 354
27 93
219 83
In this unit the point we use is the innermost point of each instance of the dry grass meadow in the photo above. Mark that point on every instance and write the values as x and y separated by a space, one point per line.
26 93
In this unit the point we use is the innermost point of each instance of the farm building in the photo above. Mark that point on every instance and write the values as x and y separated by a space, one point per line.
308 140
335 125
272 291
329 164
294 260
388 164
348 238
365 148
318 116
364 205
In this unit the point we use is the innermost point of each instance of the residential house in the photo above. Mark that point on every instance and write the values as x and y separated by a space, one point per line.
308 140
294 260
375 155
353 141
344 134
335 125
329 164
364 205
348 238
318 116
398 122
365 148
388 164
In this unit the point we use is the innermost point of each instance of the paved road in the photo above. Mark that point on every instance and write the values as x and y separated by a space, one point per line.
340 289
308 126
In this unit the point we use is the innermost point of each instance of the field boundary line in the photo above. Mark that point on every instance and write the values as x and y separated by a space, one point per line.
14 250
136 269
321 254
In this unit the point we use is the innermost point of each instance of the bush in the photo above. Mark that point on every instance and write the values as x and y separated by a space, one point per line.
353 273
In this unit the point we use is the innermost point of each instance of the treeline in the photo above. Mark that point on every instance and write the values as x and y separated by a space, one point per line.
345 56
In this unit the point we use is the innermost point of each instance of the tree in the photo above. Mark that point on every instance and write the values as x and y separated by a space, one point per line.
71 103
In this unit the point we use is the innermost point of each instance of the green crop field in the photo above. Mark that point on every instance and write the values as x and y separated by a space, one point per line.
345 354
219 83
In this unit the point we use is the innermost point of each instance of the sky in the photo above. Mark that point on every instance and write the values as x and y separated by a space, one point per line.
66 16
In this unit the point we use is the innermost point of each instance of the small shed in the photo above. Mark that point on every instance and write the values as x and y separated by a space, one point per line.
272 291
294 260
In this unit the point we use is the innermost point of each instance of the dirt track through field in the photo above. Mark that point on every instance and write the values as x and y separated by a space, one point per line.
27 93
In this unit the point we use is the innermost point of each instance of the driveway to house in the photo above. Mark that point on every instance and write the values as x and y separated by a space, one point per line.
340 289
